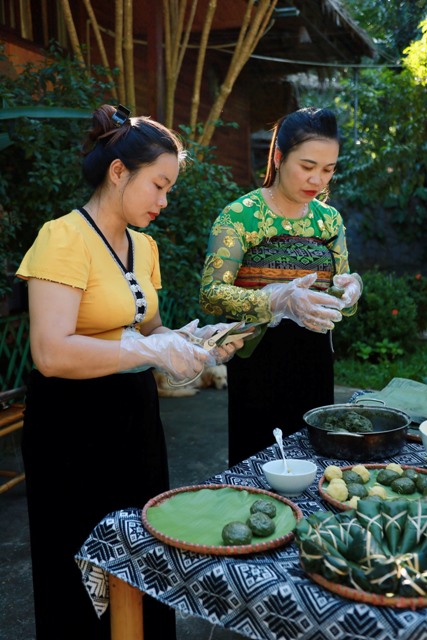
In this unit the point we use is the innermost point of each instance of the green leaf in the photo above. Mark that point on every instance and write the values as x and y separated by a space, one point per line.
43 112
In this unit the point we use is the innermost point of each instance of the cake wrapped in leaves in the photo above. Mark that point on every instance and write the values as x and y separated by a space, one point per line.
312 555
394 514
415 569
369 514
386 550
365 549
383 575
327 532
415 531
335 568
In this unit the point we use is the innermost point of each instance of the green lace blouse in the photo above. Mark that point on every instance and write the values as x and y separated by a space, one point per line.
250 246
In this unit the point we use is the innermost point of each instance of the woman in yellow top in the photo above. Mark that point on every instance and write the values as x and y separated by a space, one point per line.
271 256
92 427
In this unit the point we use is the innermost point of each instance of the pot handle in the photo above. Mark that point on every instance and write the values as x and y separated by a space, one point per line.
367 400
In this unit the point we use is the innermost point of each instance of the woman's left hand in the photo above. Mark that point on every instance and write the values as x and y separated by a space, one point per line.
352 285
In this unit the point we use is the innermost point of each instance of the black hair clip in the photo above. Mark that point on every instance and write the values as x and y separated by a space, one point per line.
120 116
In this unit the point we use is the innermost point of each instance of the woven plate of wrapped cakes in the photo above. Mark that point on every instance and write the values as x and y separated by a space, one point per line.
374 549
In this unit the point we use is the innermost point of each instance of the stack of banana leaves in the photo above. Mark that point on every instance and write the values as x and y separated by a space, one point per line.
378 547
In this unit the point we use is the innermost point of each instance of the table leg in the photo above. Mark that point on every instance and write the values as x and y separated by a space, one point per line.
126 612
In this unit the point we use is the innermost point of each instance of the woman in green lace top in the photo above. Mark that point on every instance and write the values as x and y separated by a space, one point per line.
272 254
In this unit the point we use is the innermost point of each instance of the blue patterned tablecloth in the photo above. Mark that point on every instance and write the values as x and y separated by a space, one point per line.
265 596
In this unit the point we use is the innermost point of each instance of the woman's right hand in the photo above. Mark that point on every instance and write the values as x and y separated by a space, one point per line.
295 300
167 351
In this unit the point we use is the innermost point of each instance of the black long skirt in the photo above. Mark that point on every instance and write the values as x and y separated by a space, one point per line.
289 372
90 447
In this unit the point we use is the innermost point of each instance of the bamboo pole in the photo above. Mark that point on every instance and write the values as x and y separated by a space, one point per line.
72 33
128 53
250 34
100 44
174 14
118 51
168 20
195 101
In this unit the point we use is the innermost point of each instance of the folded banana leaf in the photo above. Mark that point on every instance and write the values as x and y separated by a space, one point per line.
334 568
331 530
312 555
383 576
414 567
394 513
365 549
321 543
357 579
415 526
369 514
350 522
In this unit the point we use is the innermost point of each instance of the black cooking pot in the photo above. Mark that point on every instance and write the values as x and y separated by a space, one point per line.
387 438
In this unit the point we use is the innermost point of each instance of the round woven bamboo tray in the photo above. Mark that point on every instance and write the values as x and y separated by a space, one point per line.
216 518
369 598
342 505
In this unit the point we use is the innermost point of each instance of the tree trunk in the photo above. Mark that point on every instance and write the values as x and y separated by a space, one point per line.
118 51
250 34
174 13
200 62
128 54
68 17
101 47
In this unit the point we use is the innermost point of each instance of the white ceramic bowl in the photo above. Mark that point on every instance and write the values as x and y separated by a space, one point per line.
301 474
423 433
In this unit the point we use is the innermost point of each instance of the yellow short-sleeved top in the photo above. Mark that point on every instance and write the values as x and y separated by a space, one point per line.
71 250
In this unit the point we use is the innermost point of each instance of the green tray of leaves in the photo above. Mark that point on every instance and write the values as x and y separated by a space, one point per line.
376 553
193 518
372 479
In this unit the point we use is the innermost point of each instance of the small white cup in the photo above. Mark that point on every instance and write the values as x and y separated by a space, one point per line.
423 432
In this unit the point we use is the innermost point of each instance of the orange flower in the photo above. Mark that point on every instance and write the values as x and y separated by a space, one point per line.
395 312
418 276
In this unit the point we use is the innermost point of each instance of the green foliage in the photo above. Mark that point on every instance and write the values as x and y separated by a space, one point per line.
41 178
416 58
361 374
381 112
380 342
387 162
380 352
40 175
385 321
418 285
201 192
392 23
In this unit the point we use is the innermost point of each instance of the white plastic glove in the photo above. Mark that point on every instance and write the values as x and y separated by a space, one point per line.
167 351
352 285
295 300
221 353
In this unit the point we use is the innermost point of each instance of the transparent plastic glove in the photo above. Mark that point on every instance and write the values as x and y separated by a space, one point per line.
205 332
221 353
352 285
295 300
168 351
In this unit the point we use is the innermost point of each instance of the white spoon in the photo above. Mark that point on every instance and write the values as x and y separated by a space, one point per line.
279 439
